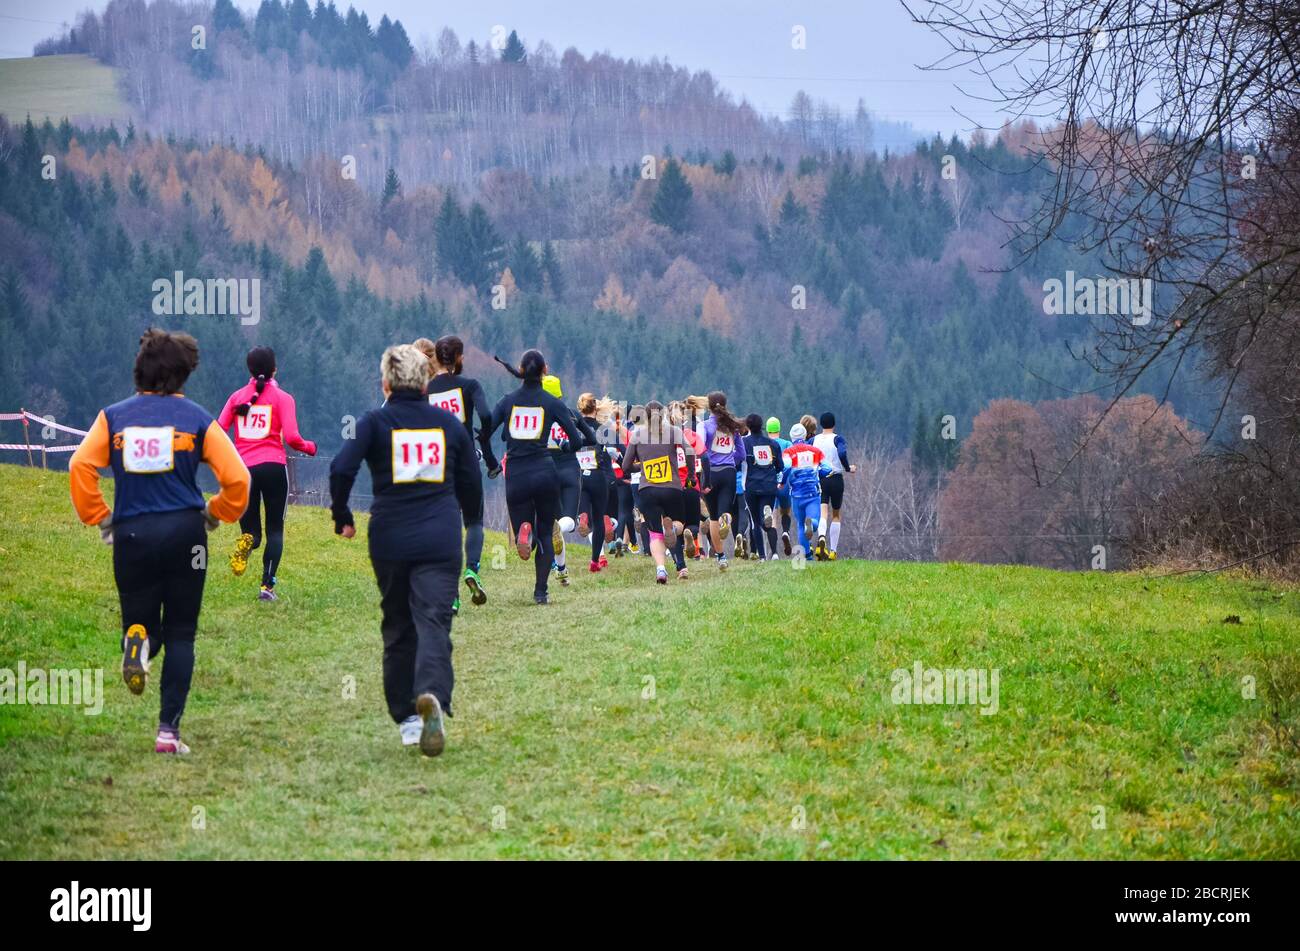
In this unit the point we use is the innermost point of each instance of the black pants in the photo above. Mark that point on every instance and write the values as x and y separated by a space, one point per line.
269 487
645 526
533 496
160 564
595 502
474 536
722 491
626 523
757 499
415 597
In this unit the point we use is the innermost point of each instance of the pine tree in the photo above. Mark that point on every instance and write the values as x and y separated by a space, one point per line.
672 202
138 188
484 248
392 188
226 17
451 238
551 268
525 266
514 51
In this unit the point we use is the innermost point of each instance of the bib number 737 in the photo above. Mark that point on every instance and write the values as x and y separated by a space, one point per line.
419 455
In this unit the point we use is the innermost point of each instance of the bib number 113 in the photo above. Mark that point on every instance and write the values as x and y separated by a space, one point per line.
419 455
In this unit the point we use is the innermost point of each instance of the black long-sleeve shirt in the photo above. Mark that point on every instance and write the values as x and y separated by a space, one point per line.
463 397
527 415
425 474
764 463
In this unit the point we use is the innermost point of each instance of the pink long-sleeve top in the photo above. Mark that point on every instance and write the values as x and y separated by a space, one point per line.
272 421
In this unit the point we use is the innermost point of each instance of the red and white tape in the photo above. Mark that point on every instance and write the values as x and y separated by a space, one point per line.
53 425
37 447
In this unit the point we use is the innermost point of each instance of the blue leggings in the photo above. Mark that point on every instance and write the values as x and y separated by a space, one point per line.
810 507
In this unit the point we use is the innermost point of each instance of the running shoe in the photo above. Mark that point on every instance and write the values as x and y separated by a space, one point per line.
584 525
821 551
410 730
785 543
539 599
239 558
267 594
773 557
169 741
661 575
594 567
609 526
722 563
832 556
767 516
724 526
604 562
557 537
432 736
562 574
633 549
681 574
742 547
807 528
524 541
690 548
455 608
670 534
475 585
135 658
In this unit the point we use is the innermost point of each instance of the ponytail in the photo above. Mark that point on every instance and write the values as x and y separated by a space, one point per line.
531 366
261 364
726 422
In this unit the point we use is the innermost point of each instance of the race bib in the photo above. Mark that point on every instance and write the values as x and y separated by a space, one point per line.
147 449
723 443
657 471
525 422
636 478
681 458
556 437
450 400
804 460
762 455
255 424
419 455
587 459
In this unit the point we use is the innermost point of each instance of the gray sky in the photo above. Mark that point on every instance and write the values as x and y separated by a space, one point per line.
855 48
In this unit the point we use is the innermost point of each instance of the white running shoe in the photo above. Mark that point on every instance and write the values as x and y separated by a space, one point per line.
410 730
432 735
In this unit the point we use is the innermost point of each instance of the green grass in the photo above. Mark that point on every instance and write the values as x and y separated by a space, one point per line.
772 699
57 86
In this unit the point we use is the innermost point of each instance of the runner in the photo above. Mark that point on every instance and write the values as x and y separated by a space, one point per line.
532 484
463 397
653 452
565 455
638 527
623 487
782 490
425 475
803 474
154 442
265 418
597 474
690 477
722 434
764 465
836 453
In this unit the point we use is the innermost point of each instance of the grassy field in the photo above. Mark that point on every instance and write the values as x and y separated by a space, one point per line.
770 731
58 86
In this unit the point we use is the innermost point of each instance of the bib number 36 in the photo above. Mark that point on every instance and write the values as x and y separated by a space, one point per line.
147 449
419 455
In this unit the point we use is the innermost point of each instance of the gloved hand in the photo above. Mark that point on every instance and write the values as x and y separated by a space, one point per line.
106 530
210 520
493 473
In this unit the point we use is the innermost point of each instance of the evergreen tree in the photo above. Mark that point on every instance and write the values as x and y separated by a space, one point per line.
392 188
727 164
524 265
672 202
514 51
451 238
484 249
138 188
551 267
226 17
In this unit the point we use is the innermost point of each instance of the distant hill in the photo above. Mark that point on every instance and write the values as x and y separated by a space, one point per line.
74 86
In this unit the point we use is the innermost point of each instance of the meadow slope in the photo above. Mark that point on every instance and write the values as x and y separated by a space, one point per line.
770 732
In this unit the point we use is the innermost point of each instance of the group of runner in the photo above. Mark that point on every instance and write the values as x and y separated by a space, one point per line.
673 480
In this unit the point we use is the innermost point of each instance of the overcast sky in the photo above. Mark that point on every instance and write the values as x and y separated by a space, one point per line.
865 49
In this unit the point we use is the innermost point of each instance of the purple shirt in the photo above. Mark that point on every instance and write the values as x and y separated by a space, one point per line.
722 449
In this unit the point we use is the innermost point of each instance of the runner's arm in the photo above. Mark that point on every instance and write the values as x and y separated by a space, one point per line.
83 472
343 473
485 425
468 479
232 475
289 426
227 415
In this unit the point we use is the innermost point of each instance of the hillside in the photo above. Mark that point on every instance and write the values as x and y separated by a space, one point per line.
1119 691
74 86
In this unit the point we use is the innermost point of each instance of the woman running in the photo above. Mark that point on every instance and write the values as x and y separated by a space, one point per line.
463 397
532 484
782 490
569 472
804 472
597 474
653 452
690 476
265 418
722 434
835 452
623 487
154 442
426 479
764 464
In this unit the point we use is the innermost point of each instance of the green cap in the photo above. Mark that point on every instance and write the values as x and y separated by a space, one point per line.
551 384
773 424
